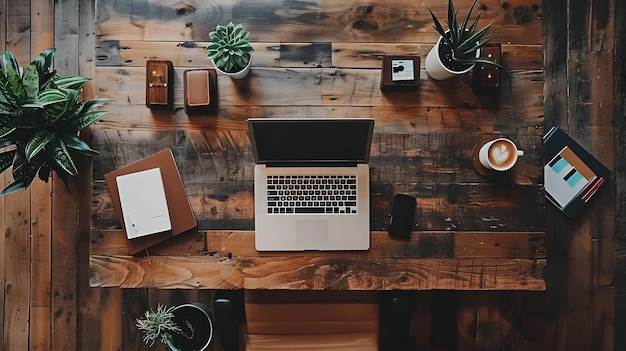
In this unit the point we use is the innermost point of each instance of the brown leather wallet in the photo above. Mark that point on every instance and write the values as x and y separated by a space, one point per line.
200 87
159 84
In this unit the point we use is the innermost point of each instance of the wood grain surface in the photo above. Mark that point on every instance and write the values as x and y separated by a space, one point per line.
323 59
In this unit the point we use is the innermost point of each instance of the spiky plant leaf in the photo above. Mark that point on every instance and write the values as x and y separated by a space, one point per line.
11 69
17 184
30 81
85 120
38 142
75 143
6 159
464 40
44 174
71 82
6 128
40 114
61 157
44 61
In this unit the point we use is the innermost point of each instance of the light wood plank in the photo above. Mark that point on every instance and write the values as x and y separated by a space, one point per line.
329 273
17 265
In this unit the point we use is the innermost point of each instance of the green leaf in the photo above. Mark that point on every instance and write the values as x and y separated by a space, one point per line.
13 76
52 96
75 143
89 105
86 120
62 158
9 63
30 81
18 184
6 128
6 159
44 61
38 142
71 82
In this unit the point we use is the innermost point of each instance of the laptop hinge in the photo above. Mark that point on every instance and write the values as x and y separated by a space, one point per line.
311 164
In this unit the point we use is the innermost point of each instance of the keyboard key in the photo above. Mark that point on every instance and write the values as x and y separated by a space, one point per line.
309 210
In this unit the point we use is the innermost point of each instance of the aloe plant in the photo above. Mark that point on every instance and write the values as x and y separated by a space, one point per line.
158 325
465 39
229 49
40 116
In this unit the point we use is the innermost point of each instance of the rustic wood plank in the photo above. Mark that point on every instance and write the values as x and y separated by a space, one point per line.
135 304
41 259
523 323
65 208
110 331
17 270
338 87
315 272
42 25
18 28
221 193
620 176
466 321
555 67
323 21
422 244
42 35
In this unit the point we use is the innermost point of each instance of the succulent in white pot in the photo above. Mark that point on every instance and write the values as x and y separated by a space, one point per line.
230 50
457 50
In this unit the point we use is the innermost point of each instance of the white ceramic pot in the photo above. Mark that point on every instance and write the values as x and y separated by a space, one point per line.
235 75
435 68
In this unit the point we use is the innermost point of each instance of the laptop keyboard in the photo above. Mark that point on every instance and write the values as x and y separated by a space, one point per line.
311 194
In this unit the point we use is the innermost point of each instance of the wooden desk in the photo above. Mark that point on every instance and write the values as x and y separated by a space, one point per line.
472 232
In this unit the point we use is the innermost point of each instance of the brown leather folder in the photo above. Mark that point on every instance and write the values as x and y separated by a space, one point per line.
181 214
200 90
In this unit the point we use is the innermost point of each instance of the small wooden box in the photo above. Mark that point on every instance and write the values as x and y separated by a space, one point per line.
159 84
200 87
486 78
400 73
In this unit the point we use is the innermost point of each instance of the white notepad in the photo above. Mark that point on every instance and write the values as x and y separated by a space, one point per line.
143 202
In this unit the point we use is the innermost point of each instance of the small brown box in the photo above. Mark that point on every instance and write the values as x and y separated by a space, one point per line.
486 77
400 73
200 86
159 87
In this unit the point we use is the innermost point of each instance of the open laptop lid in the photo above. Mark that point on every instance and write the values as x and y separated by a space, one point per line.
310 141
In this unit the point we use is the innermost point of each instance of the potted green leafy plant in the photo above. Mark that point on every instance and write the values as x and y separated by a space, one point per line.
41 116
457 50
230 50
185 327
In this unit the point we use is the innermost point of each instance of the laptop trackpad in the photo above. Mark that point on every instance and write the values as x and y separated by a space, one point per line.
312 234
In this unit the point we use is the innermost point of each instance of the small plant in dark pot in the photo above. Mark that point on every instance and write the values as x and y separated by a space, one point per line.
187 327
41 117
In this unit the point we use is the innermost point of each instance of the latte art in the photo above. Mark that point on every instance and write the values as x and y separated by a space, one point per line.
502 153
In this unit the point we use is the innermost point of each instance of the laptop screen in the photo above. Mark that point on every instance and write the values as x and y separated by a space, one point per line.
316 140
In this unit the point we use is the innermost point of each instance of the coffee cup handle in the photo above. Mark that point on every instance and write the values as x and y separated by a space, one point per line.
520 152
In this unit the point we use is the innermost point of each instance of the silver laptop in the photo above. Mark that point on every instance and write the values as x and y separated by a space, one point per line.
311 183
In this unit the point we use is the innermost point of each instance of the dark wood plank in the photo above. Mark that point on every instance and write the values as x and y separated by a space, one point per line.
217 168
620 175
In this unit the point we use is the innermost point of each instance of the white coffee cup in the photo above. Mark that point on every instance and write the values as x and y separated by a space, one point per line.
499 154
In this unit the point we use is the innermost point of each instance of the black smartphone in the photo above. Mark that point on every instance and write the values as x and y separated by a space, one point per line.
402 215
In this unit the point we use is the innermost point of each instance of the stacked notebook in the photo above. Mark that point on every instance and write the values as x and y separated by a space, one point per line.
150 201
571 174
